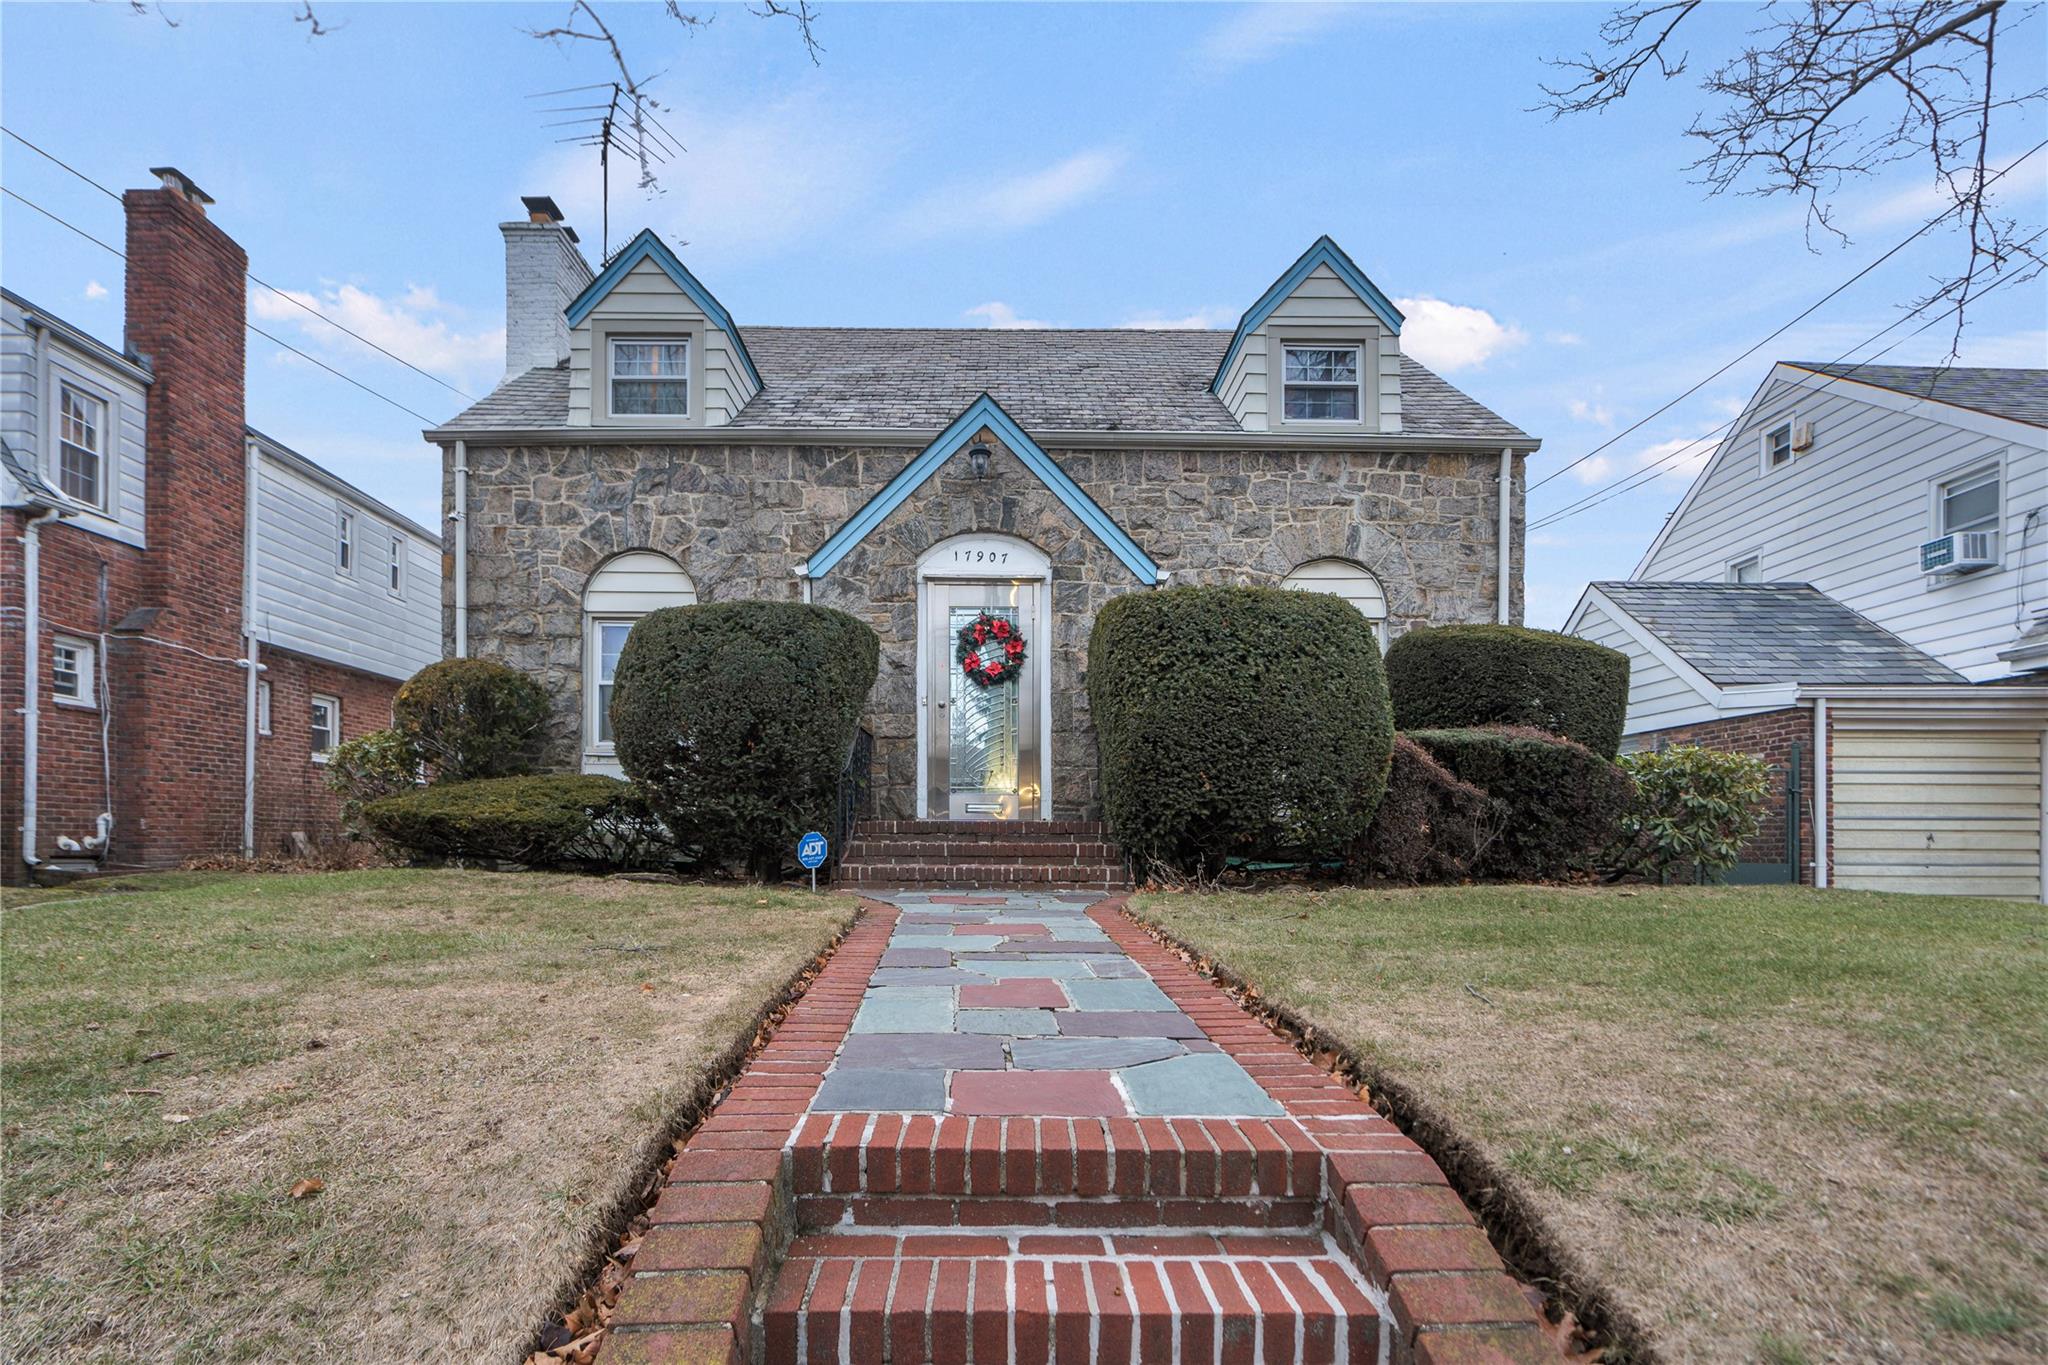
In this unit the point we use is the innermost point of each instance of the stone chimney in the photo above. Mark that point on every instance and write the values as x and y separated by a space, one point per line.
544 271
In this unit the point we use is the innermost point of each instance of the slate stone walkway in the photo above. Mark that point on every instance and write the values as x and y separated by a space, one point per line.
1020 1004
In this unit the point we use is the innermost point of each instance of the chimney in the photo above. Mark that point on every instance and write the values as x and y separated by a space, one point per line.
544 272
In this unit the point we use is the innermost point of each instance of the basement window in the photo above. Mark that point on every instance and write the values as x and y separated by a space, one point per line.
326 727
71 672
1321 383
650 376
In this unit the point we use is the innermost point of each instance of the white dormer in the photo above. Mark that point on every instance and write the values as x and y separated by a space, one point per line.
1320 352
650 347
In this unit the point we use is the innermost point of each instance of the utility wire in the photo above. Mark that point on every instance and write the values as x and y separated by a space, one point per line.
292 299
382 397
1811 309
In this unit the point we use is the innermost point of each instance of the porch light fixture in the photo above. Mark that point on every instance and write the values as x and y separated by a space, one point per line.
977 457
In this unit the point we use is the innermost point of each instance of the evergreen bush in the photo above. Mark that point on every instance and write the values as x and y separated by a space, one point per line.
1561 803
1447 677
560 821
471 718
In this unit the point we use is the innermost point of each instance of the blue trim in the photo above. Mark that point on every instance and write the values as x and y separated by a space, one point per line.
647 246
982 412
1324 252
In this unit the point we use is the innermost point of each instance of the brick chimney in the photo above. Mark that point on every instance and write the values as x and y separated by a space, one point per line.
544 271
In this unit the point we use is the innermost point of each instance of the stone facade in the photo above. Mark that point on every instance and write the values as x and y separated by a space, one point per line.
741 517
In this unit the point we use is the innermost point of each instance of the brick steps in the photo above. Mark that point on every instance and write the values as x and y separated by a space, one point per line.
983 853
919 1295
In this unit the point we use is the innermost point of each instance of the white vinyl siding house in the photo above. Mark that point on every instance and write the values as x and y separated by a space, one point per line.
1848 515
308 603
48 368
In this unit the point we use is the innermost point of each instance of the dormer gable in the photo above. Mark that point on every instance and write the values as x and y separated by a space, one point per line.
1319 352
650 346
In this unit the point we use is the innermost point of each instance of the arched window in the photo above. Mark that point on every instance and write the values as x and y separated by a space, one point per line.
1342 578
625 588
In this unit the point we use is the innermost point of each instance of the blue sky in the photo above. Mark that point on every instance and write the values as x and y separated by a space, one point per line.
954 165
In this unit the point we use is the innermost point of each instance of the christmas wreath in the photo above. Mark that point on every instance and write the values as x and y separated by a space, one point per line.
991 650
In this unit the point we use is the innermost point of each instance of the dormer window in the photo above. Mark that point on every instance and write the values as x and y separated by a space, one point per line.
650 376
1322 384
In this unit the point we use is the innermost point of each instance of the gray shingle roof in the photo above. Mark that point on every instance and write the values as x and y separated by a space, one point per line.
1738 633
2021 395
919 379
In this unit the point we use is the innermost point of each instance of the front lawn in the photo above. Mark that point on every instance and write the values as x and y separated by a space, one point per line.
471 1065
1779 1125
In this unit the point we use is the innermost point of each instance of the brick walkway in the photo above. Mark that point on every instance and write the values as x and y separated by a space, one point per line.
1011 1127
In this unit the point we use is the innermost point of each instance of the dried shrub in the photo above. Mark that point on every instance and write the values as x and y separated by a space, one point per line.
1430 827
1561 802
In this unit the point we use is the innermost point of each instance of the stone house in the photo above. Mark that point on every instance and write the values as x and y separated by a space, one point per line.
647 450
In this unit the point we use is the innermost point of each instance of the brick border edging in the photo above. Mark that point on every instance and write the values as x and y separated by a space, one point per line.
718 1231
1389 1206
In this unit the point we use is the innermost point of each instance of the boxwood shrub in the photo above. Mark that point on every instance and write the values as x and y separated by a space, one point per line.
1431 826
560 821
471 718
1246 722
735 718
1561 803
1455 676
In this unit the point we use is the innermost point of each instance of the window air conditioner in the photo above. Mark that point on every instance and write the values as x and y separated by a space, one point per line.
1959 552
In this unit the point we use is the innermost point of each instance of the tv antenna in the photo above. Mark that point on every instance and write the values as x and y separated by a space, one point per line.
621 118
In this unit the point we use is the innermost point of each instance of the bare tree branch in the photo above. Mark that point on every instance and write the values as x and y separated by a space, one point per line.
800 12
314 28
1803 109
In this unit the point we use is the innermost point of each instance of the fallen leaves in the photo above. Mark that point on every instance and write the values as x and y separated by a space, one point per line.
177 1118
307 1188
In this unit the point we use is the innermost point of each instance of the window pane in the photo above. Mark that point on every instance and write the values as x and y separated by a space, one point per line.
64 671
651 359
1969 503
81 424
611 638
1322 405
1335 365
604 713
669 397
78 473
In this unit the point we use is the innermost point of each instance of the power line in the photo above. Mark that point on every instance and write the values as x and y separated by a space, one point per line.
382 397
1811 309
252 276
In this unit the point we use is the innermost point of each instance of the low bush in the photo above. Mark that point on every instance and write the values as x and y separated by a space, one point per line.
1694 808
1430 826
468 719
1561 803
1246 722
368 768
1445 677
735 719
559 821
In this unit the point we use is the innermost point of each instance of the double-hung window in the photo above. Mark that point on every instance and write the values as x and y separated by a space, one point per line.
1969 502
1321 383
81 445
344 541
1778 446
607 638
71 671
326 726
394 581
1750 570
650 376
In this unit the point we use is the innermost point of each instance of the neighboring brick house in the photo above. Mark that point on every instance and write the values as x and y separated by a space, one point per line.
134 599
646 450
1857 574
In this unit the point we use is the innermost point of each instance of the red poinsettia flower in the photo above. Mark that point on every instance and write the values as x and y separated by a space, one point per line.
980 632
992 672
1014 649
1001 628
972 663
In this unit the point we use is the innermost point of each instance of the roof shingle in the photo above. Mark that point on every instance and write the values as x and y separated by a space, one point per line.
2021 395
1736 633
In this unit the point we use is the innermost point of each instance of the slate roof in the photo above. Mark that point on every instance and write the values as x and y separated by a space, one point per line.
921 378
2021 395
1737 633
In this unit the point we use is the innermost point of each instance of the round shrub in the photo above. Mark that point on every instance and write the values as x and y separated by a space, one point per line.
366 768
1561 803
560 821
1248 722
1693 808
1446 677
470 718
1430 827
736 719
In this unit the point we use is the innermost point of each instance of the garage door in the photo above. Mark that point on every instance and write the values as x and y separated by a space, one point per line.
1945 812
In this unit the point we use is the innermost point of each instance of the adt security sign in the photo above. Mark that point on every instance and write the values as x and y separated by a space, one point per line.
810 851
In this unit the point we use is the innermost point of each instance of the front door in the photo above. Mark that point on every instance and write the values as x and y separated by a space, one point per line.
982 759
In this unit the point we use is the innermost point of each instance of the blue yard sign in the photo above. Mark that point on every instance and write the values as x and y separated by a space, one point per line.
810 851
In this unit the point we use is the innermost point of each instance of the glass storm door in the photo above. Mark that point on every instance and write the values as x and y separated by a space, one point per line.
981 742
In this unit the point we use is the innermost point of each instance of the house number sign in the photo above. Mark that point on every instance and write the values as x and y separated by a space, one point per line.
978 556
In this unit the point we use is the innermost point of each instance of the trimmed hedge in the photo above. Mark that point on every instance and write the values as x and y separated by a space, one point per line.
1430 827
736 718
1247 722
471 718
1454 676
1562 803
564 820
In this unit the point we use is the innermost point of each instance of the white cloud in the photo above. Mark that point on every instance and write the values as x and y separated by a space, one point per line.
1019 201
1002 317
1687 456
1564 338
1452 336
1201 320
415 325
95 290
1253 33
1593 469
1596 412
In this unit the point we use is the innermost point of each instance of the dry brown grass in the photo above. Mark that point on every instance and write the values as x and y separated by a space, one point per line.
1778 1126
495 1057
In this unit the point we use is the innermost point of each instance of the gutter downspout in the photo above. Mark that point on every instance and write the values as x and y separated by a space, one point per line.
1507 493
1820 793
31 675
250 661
460 516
